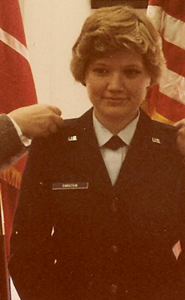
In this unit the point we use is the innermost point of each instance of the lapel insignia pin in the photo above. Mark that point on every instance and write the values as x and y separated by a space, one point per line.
156 140
72 138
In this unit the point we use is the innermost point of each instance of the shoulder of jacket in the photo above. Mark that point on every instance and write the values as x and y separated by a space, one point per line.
69 128
166 135
156 128
166 130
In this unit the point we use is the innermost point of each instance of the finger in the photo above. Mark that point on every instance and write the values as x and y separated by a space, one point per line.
56 110
180 124
181 130
58 121
177 124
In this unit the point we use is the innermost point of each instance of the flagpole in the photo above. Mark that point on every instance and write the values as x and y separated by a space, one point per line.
4 274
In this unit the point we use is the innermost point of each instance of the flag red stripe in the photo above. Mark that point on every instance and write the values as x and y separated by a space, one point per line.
174 8
155 2
174 56
9 22
15 77
167 107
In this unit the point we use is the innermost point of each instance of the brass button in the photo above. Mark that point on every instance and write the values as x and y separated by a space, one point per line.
114 249
114 207
114 288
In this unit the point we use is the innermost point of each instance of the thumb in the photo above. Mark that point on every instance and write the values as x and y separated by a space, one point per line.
56 110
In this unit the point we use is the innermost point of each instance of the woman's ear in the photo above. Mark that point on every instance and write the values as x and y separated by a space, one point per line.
83 81
149 82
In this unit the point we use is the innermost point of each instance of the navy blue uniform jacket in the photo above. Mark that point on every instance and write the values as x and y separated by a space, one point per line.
77 237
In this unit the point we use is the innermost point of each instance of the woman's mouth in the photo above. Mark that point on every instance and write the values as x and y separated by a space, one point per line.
115 99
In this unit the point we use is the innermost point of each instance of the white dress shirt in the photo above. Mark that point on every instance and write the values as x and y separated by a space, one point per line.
26 141
113 159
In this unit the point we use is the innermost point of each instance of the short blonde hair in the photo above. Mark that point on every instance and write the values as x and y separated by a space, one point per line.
111 29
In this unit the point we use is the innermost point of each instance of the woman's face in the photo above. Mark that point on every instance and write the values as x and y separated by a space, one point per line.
116 85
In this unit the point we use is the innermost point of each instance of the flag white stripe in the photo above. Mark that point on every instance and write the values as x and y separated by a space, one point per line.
155 13
168 26
12 42
173 85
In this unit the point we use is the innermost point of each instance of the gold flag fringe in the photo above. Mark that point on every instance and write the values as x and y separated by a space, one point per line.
12 177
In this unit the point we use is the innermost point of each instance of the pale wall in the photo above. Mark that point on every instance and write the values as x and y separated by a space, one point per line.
51 28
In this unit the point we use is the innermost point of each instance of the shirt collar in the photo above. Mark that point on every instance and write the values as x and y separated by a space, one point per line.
103 134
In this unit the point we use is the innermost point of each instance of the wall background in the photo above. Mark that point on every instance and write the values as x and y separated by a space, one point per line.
51 28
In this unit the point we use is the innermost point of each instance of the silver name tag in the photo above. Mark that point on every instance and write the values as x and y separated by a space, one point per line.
70 186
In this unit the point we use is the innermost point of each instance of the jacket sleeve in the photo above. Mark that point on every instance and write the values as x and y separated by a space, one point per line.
31 253
11 148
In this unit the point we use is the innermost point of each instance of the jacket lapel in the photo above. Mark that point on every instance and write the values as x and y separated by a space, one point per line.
91 161
138 150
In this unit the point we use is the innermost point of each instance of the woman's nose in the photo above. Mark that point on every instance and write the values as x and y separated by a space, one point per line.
116 82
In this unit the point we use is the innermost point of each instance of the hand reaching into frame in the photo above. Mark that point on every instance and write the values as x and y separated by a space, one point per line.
38 120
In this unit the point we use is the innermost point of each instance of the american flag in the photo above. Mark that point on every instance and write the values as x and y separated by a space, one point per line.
167 102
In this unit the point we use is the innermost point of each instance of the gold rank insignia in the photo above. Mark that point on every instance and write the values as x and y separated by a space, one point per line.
156 140
72 138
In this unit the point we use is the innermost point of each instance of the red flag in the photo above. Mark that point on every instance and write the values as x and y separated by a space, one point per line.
167 102
16 89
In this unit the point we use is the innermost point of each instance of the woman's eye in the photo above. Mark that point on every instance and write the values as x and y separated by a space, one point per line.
132 73
100 71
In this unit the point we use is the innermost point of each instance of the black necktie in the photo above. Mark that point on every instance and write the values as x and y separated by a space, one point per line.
114 143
